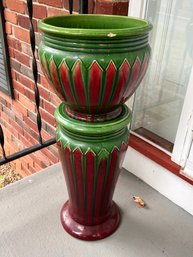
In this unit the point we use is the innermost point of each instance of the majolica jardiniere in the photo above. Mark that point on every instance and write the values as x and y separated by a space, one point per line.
95 63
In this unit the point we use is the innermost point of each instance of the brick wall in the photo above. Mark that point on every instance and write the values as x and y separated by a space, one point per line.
18 116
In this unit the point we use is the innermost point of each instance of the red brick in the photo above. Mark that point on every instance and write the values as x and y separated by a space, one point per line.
44 93
4 117
18 86
37 161
31 124
13 74
25 81
25 141
21 109
22 58
30 139
23 90
18 114
39 11
115 7
55 3
10 16
14 43
22 34
54 99
27 71
26 102
29 94
53 158
29 160
49 107
16 5
8 28
42 157
44 83
33 170
25 169
54 11
26 49
17 127
15 64
24 22
45 135
38 168
11 53
47 117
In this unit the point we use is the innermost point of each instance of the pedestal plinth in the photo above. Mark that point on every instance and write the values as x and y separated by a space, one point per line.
94 63
92 155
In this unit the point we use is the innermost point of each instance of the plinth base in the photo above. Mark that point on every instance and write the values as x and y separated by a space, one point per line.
90 233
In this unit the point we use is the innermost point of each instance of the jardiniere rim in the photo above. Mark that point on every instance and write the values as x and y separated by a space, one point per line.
95 26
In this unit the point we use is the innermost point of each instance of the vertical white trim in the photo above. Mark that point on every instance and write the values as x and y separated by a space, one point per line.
184 134
137 8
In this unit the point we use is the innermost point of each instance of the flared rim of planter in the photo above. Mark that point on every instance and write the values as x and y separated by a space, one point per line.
88 128
94 26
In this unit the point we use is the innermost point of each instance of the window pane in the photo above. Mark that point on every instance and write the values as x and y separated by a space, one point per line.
158 102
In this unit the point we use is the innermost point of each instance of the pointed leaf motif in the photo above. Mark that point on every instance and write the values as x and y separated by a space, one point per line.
102 171
69 168
103 154
124 72
109 185
110 77
55 78
45 68
79 84
95 85
134 76
90 175
64 75
143 69
79 173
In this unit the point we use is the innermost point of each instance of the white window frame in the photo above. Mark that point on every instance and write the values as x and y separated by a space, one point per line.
183 148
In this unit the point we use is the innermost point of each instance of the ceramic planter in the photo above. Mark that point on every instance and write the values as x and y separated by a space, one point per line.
95 63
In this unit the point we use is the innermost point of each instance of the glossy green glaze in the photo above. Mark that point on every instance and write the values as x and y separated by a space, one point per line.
97 129
95 62
91 159
94 26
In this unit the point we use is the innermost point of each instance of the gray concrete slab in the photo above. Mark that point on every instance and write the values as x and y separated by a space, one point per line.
30 224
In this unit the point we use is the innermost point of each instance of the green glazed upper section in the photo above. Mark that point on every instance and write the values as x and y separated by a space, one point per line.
94 26
87 128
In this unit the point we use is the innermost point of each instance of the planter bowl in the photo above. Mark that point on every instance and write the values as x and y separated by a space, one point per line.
95 62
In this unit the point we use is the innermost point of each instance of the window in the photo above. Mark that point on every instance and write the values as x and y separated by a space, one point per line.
5 73
163 106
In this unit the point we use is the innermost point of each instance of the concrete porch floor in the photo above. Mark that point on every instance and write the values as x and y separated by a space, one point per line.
30 224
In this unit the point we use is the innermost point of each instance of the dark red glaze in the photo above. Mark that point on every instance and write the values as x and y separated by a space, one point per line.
123 77
92 117
134 77
53 71
91 182
80 185
90 173
65 83
79 86
95 85
110 76
90 233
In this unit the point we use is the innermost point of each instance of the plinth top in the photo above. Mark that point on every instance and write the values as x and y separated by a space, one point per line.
99 128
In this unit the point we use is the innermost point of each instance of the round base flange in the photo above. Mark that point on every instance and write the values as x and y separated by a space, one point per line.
90 233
